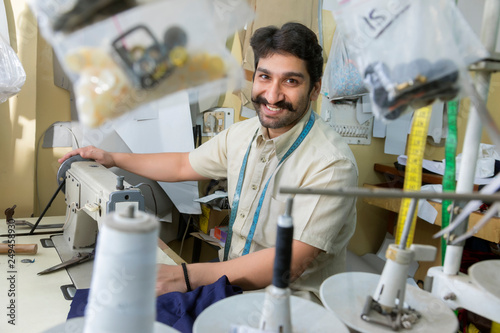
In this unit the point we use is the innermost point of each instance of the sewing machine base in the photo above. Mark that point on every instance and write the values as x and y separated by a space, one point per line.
79 274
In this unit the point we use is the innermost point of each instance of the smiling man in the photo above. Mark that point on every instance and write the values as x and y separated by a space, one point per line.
286 145
281 93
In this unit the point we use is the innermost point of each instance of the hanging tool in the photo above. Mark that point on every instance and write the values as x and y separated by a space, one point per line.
413 177
9 213
449 183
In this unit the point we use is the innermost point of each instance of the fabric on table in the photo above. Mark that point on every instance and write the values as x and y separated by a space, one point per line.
175 309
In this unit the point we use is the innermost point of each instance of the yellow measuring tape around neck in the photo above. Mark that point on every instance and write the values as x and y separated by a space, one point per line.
413 170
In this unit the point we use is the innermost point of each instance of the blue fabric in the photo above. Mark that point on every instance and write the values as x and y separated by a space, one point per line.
178 310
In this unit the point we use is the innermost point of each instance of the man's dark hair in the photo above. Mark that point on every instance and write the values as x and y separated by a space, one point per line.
293 38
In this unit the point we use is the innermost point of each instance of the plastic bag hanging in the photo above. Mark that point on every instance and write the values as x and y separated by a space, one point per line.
409 53
341 77
12 74
147 52
71 15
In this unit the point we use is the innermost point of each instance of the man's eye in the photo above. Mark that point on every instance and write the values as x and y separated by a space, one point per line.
291 81
264 76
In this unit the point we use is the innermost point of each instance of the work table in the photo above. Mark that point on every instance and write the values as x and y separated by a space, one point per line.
39 303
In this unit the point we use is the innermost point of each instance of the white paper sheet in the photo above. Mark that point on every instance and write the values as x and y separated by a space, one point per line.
436 122
171 131
58 135
247 112
214 196
182 195
426 211
397 135
433 166
147 112
367 104
363 110
379 128
485 167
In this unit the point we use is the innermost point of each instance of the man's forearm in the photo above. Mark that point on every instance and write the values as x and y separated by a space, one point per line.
167 167
250 272
254 270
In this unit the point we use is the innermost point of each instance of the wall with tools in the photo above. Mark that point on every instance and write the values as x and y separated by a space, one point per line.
28 171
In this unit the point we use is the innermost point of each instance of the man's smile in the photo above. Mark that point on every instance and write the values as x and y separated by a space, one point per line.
272 109
269 110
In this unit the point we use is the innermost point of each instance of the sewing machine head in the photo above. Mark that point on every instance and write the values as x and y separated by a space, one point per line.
91 192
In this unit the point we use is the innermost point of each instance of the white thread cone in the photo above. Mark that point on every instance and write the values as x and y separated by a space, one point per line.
122 291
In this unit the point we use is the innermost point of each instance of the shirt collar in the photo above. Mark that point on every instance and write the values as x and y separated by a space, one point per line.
285 140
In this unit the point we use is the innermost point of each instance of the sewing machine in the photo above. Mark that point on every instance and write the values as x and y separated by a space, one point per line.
91 192
42 301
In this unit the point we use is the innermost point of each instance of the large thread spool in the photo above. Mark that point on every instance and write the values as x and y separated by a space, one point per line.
122 292
122 295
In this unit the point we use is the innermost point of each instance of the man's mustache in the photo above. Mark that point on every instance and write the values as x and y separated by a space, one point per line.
281 104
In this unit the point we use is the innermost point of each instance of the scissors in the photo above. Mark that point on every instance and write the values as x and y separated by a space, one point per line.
78 259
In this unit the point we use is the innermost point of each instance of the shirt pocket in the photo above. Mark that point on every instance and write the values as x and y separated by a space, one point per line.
270 223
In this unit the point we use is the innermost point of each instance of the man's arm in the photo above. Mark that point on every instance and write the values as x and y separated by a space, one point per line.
252 271
167 167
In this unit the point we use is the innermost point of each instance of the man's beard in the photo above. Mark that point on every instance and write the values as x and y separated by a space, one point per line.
280 122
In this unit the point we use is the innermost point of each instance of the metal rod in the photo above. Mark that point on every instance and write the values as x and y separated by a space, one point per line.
18 234
47 207
489 214
391 193
491 23
408 223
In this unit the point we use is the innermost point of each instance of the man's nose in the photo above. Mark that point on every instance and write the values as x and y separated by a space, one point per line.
274 93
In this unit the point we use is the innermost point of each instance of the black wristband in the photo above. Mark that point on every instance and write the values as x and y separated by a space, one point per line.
186 277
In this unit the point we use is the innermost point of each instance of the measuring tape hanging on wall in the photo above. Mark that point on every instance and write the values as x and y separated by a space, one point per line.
449 182
413 170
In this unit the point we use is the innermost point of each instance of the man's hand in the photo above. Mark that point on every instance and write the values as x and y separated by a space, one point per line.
91 152
170 278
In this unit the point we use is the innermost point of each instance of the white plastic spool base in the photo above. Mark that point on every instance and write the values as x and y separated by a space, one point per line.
276 316
345 294
478 292
246 310
484 274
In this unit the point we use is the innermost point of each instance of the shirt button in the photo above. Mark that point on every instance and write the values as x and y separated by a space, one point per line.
242 215
263 159
242 237
254 187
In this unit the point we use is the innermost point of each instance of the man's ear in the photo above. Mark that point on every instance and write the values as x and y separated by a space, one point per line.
315 91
